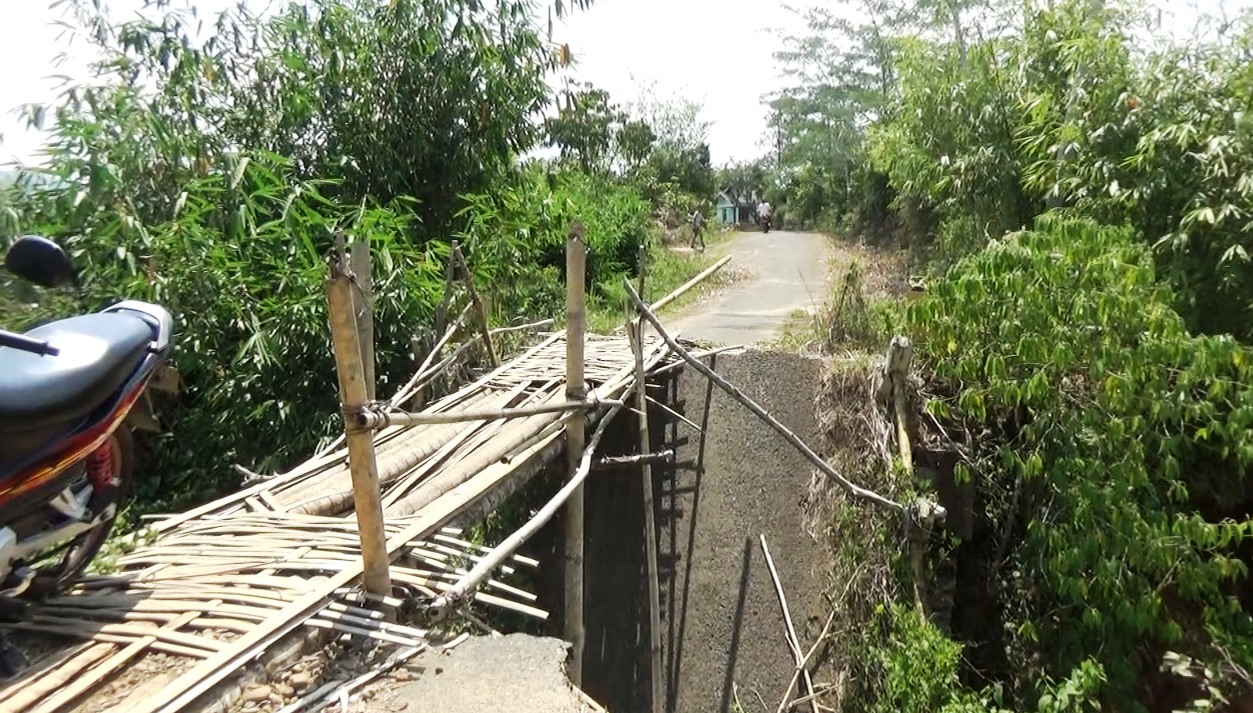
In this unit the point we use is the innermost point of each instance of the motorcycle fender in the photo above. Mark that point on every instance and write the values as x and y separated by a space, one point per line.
142 416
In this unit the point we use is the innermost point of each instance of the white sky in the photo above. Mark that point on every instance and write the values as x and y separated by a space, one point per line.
717 52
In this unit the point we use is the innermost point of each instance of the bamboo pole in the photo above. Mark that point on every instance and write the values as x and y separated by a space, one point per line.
854 490
363 303
479 310
656 307
377 419
575 328
636 335
353 394
455 596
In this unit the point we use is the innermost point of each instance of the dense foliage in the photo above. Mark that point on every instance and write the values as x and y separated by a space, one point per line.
1060 105
1115 475
1099 363
208 163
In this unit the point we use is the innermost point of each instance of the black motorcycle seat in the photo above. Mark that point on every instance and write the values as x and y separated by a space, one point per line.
98 353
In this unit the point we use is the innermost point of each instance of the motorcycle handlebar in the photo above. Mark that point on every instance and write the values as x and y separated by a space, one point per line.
27 344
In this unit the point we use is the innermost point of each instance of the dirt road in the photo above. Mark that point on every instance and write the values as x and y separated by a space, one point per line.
787 271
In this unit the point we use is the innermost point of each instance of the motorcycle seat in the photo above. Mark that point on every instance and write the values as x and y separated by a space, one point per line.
98 353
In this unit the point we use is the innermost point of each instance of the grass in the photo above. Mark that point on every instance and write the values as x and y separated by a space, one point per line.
799 334
667 270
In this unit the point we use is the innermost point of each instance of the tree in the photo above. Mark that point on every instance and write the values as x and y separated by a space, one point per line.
587 126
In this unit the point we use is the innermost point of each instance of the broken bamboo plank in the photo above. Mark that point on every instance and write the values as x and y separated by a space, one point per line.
456 596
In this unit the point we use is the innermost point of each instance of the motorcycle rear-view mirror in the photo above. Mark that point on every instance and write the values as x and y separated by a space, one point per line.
39 260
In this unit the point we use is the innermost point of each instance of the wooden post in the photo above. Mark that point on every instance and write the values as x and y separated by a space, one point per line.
895 379
636 333
575 327
363 304
353 395
479 309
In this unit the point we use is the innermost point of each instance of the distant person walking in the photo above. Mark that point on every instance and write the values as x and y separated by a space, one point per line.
698 229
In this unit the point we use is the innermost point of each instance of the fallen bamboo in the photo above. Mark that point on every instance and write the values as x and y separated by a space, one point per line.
372 419
735 393
457 595
678 292
787 701
576 325
793 641
353 394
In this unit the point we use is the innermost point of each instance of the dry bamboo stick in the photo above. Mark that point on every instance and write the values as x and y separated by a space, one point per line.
793 641
378 419
468 278
369 509
576 325
455 596
826 468
637 459
411 388
787 701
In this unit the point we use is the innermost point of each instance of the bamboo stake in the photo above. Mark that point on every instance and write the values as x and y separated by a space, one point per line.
793 641
478 305
635 333
792 438
353 394
895 378
376 419
455 596
575 327
363 302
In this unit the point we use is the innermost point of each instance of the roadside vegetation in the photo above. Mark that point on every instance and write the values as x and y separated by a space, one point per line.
209 162
1077 188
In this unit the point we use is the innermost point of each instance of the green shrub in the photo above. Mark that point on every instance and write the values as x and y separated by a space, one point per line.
1114 459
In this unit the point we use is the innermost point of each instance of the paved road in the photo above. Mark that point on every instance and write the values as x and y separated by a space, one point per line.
787 272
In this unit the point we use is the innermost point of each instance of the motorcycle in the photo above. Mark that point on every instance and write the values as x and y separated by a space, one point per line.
765 224
71 392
